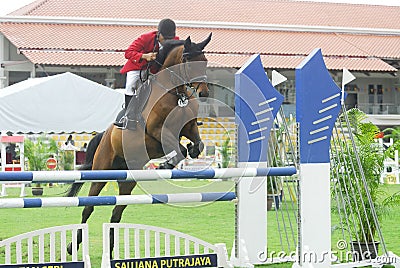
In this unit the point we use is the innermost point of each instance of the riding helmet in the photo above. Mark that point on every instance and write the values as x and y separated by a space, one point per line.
167 28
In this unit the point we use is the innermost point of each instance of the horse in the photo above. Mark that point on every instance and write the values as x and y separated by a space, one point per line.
169 113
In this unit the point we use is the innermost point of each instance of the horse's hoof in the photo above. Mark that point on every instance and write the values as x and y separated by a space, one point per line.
189 146
69 248
191 150
195 150
165 165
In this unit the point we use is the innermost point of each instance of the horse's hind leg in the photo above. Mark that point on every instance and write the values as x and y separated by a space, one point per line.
95 190
125 188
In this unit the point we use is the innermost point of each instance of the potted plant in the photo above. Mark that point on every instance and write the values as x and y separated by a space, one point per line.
227 151
368 193
67 159
37 152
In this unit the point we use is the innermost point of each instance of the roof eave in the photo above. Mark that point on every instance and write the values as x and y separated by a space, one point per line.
197 24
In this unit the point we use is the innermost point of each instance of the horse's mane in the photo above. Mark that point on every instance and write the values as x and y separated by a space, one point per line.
168 46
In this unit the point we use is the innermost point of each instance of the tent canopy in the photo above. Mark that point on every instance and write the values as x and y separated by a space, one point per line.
60 103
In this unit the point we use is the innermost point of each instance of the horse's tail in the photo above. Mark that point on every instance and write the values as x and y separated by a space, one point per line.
74 189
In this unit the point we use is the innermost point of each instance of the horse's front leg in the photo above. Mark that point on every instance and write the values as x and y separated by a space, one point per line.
195 149
174 158
170 146
125 188
95 189
191 131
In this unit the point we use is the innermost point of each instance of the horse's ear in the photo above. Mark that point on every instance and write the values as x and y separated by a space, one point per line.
188 44
203 44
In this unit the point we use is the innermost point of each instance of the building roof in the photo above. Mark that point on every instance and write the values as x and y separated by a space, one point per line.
283 12
92 58
96 32
290 62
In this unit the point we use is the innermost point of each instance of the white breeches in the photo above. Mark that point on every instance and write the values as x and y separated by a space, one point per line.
132 81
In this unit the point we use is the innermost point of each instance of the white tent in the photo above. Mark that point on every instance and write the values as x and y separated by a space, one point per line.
60 103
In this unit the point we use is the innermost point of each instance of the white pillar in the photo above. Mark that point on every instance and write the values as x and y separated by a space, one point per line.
3 77
251 236
3 156
315 216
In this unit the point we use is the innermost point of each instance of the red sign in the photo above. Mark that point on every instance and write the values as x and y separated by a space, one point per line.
51 163
12 169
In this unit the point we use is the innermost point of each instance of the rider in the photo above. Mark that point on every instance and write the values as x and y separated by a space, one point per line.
139 54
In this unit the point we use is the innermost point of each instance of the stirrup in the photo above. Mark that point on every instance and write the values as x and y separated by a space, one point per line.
121 123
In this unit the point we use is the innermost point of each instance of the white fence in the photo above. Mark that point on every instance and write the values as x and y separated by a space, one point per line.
47 246
137 242
132 243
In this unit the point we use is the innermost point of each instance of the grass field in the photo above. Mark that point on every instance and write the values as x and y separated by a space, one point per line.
213 222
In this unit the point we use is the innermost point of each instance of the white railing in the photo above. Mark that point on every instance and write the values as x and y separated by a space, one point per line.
139 241
379 108
47 246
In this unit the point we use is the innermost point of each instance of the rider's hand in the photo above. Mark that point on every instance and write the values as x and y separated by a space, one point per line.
149 56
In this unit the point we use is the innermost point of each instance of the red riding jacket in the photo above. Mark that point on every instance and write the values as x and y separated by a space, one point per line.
143 44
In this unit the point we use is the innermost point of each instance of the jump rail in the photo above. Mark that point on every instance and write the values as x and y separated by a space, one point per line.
140 175
115 200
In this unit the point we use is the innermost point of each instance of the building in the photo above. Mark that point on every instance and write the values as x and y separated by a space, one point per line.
88 37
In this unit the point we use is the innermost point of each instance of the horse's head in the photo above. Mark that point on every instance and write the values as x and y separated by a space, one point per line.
194 54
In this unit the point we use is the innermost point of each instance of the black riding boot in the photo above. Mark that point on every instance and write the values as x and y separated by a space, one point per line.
127 100
119 122
132 114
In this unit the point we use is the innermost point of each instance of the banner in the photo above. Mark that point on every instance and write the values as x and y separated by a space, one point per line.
188 261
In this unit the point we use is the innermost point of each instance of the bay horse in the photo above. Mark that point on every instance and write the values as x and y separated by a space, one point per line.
170 113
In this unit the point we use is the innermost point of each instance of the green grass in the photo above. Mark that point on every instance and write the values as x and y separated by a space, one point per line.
213 223
195 220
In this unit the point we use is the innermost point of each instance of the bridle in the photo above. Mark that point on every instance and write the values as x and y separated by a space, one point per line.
187 89
187 84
